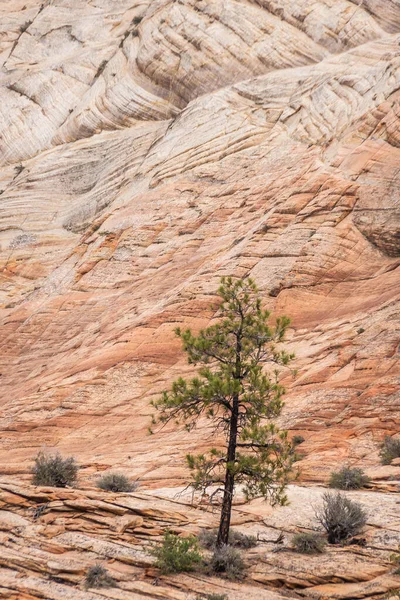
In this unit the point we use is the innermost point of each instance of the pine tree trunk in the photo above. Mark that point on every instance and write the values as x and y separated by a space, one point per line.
225 521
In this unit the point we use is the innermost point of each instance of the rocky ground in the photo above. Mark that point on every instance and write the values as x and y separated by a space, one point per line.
50 537
146 149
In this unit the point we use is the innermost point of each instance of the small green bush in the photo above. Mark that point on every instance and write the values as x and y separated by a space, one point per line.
309 543
389 450
348 478
341 517
115 482
297 440
214 597
227 561
208 539
54 471
175 554
98 577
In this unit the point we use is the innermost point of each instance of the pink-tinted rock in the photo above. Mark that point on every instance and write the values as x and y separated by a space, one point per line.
147 149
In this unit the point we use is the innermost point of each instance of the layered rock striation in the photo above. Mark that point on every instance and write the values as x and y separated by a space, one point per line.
51 537
147 148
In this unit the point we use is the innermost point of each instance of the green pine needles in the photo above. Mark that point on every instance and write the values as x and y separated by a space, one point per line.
240 398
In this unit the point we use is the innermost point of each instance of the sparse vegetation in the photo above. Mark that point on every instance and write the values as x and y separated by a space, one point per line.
24 26
115 482
348 478
54 470
24 239
98 577
389 450
395 559
309 543
176 555
228 562
360 330
208 539
297 440
341 517
233 389
392 594
214 597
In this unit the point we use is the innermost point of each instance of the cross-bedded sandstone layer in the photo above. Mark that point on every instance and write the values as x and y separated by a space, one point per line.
146 149
50 537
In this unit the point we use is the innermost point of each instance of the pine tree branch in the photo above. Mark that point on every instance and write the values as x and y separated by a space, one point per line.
255 446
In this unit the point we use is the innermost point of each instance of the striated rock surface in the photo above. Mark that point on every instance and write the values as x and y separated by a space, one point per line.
50 537
146 149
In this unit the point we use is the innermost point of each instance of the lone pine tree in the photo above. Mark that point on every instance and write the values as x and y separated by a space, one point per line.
233 390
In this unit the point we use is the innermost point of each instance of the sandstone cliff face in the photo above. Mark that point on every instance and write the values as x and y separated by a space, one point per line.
146 149
149 148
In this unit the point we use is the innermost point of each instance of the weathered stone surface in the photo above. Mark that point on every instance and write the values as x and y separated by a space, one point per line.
109 241
49 546
146 149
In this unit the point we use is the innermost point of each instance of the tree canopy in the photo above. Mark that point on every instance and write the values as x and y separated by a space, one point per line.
233 389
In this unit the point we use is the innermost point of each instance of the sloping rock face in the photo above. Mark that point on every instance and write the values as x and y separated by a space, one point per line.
147 148
50 537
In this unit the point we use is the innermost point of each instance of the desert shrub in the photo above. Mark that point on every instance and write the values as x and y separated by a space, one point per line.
395 559
297 440
98 577
175 554
25 26
115 482
208 539
54 470
215 597
237 539
340 517
389 450
227 561
348 478
308 543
